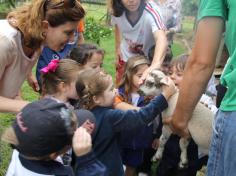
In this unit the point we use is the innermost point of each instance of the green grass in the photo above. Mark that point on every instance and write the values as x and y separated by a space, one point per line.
5 121
188 24
109 60
98 12
4 7
177 49
5 150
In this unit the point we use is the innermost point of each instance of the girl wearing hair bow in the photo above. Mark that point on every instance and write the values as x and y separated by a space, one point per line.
58 83
48 23
58 80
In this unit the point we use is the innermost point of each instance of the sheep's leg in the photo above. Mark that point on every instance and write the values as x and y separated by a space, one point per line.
166 132
183 143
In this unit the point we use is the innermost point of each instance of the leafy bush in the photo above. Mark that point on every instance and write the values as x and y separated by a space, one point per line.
95 31
190 7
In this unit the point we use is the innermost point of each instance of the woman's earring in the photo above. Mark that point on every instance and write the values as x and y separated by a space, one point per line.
44 34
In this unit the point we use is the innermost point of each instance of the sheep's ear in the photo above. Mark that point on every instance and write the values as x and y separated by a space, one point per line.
164 81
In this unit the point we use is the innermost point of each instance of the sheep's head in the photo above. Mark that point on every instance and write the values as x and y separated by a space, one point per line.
153 83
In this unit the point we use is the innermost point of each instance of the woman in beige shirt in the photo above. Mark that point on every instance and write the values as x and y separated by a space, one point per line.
42 22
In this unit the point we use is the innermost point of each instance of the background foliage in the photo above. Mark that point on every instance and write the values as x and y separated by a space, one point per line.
96 31
190 7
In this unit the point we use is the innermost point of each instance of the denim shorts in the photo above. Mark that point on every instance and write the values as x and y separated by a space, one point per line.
222 154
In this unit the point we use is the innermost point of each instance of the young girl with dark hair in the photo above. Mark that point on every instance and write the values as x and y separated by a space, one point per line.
134 142
58 79
88 55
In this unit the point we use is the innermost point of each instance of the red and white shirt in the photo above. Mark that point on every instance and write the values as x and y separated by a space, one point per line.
138 37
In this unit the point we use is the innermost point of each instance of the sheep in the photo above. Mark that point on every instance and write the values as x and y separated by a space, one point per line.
199 126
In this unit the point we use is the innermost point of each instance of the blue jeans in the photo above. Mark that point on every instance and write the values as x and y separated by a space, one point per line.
222 154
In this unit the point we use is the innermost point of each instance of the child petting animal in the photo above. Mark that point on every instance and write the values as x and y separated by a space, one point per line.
96 91
134 141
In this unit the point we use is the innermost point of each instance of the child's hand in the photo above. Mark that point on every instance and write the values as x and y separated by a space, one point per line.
169 89
82 142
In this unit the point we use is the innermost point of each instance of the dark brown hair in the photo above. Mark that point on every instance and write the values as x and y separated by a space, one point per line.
117 8
91 83
131 68
84 52
66 72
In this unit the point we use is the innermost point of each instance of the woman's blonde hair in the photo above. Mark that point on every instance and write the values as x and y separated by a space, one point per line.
66 72
131 68
28 18
91 83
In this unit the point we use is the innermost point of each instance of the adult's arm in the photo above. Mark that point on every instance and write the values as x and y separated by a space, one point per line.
198 71
32 81
7 48
11 105
117 43
160 48
159 53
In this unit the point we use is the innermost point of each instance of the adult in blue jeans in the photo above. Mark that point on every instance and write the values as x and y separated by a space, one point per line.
215 16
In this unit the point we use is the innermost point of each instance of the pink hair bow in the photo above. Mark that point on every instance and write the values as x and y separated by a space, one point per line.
51 67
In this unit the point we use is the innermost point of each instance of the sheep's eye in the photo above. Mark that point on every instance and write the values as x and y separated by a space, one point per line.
149 84
152 75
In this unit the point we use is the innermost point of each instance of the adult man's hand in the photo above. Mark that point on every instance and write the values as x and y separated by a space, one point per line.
177 128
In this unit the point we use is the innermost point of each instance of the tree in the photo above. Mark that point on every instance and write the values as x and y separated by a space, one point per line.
11 3
190 7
